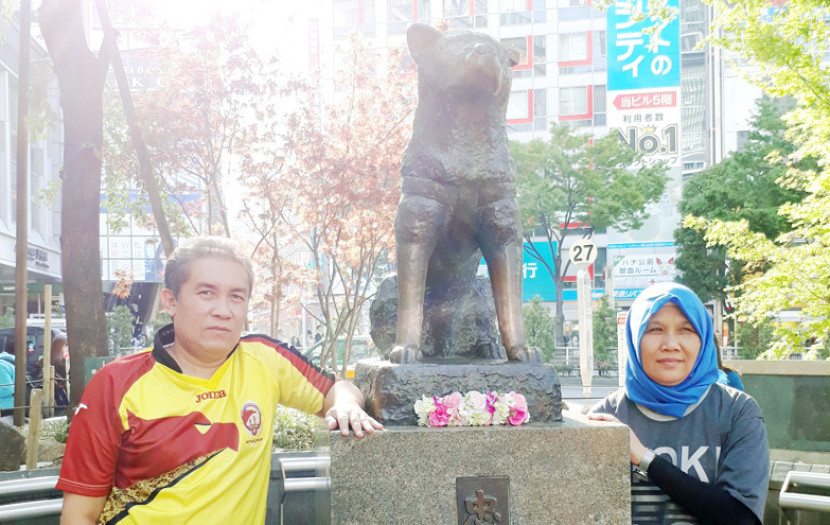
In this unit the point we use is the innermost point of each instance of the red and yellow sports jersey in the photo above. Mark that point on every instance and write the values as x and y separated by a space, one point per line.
170 448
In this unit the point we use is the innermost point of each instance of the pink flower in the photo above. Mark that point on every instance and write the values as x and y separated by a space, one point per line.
472 409
492 397
517 417
453 404
518 411
439 416
452 401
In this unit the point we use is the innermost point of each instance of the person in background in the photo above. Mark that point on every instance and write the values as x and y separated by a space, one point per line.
60 349
182 432
727 375
698 449
34 370
7 378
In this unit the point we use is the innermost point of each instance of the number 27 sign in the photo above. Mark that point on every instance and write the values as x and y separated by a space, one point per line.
583 252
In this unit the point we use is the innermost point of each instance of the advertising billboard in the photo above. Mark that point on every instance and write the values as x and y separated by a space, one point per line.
536 280
643 90
639 265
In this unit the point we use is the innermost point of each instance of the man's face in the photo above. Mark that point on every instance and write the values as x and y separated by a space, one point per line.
210 312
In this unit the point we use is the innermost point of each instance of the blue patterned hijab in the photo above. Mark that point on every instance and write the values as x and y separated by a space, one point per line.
669 400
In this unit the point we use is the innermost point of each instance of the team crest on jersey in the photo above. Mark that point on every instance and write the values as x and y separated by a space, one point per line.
252 418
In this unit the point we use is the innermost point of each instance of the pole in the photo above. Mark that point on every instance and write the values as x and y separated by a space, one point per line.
20 276
586 330
609 286
622 348
304 327
34 430
48 371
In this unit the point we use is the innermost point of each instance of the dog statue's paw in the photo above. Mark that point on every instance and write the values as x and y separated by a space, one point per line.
525 354
405 354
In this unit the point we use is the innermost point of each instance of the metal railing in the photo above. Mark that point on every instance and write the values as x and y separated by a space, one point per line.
32 384
788 499
14 512
566 362
292 470
318 464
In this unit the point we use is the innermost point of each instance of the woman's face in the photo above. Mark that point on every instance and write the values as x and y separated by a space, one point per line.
669 346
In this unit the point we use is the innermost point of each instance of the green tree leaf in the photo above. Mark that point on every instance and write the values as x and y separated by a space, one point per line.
570 185
539 327
784 45
742 186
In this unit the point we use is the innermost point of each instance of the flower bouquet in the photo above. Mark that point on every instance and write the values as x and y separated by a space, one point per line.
472 409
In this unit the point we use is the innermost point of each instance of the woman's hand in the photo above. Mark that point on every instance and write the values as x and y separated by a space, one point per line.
637 448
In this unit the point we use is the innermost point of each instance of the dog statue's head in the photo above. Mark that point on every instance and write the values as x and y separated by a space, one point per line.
461 60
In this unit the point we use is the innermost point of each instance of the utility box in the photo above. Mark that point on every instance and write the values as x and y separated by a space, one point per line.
93 364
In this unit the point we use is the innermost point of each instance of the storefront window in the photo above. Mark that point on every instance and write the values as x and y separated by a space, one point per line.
518 12
466 13
599 105
401 13
573 46
354 15
573 101
517 107
540 109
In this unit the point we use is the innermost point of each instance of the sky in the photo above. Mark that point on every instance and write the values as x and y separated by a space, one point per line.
276 24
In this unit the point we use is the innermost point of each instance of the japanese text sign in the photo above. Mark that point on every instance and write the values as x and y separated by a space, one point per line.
642 53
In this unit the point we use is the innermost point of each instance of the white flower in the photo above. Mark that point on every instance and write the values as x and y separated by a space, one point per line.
502 411
423 408
473 409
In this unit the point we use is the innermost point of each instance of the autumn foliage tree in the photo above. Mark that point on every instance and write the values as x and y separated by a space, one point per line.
335 160
197 121
209 80
265 208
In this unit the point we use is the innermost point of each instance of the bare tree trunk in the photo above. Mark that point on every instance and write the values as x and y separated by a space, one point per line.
81 78
21 291
276 288
145 167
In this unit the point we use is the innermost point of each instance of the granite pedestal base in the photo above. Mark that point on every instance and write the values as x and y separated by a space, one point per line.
391 389
569 473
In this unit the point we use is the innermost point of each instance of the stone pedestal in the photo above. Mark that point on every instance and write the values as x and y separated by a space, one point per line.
391 389
570 473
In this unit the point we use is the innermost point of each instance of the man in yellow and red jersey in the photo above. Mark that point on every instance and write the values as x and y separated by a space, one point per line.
181 433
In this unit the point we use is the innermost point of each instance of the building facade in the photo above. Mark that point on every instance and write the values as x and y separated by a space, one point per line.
599 72
44 165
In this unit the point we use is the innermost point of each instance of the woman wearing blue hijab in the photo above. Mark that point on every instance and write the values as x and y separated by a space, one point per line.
698 449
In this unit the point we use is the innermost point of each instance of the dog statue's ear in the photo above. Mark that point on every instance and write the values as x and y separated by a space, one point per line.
419 38
514 56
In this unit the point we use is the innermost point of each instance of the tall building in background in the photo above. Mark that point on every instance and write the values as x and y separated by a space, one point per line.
130 243
45 162
603 74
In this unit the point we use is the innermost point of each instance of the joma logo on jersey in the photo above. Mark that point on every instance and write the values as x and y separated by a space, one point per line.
216 394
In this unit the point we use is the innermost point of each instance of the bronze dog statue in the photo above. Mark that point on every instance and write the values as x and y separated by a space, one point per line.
459 192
